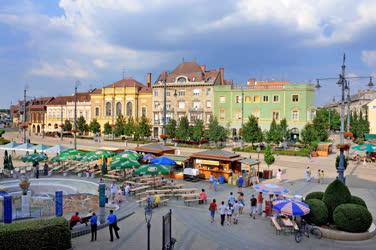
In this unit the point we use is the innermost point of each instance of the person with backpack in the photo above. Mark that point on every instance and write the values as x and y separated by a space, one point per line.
212 210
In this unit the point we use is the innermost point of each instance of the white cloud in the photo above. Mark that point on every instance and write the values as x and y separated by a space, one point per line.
369 58
100 63
69 68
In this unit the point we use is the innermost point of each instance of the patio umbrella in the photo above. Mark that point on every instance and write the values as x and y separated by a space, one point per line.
291 207
367 147
10 145
163 160
34 157
124 164
148 157
41 148
98 154
25 147
127 155
153 169
57 149
270 188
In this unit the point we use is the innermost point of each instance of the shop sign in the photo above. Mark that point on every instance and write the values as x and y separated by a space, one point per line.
207 162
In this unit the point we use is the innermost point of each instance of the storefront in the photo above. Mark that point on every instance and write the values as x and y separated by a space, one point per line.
217 163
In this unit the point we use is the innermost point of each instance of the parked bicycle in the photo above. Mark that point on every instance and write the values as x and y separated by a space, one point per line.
306 229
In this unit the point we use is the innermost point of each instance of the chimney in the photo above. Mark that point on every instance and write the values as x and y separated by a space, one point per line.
203 68
251 82
148 80
222 73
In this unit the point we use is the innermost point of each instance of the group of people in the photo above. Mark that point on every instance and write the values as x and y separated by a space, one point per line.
117 194
308 175
36 169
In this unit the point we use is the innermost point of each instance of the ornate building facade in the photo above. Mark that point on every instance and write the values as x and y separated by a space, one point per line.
189 92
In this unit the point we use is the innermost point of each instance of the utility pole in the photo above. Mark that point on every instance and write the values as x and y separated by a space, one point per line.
75 114
348 106
62 123
241 140
24 117
343 82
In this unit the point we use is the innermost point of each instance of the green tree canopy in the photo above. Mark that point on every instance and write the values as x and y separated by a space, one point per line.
119 127
67 125
309 134
183 130
198 130
215 131
321 126
274 134
94 126
129 127
268 156
107 128
144 127
283 126
251 131
359 125
329 118
171 128
82 126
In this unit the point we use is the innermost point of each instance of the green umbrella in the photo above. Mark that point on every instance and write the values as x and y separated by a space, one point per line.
152 169
34 157
367 147
127 155
98 154
123 164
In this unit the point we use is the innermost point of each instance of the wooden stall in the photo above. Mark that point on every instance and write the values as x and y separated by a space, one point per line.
217 162
155 149
324 149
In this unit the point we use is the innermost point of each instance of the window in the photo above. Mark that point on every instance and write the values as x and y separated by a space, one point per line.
118 108
276 115
156 105
276 98
108 109
143 111
208 116
256 113
208 91
182 80
196 92
248 99
256 99
222 114
295 115
181 93
167 93
222 99
265 98
196 104
155 92
181 104
295 98
238 115
129 109
168 105
97 111
208 104
238 99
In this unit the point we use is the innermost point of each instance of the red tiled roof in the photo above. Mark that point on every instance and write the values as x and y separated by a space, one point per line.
145 90
125 83
62 100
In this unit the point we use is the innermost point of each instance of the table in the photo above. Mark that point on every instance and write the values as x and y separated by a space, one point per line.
137 189
287 222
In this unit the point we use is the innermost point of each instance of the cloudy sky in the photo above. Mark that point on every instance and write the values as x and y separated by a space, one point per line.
49 44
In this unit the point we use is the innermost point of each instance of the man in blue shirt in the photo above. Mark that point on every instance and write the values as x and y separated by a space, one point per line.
93 225
112 222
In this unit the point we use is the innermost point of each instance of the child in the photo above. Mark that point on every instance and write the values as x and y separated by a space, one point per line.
229 212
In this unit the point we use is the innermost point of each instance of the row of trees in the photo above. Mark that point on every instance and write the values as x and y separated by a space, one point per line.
197 132
138 129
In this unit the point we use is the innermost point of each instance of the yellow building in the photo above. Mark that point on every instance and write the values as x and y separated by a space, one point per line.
126 97
372 116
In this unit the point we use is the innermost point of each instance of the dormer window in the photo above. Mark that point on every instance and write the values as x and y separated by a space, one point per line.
182 80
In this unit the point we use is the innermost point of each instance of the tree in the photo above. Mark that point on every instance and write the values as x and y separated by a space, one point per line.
119 127
309 134
67 125
198 130
183 130
275 133
321 127
216 132
6 160
330 118
359 125
171 128
94 126
251 131
284 129
268 156
81 125
129 127
107 128
2 131
144 128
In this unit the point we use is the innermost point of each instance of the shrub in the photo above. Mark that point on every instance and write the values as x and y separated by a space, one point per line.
314 195
319 212
352 218
3 141
51 233
335 194
357 200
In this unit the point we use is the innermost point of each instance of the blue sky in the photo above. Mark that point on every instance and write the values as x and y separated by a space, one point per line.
49 44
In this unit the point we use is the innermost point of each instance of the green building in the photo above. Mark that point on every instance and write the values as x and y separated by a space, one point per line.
264 100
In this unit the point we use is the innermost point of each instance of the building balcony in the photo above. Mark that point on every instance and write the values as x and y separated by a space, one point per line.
192 110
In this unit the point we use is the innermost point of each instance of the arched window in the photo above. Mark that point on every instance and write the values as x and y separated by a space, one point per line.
118 108
129 109
97 111
108 109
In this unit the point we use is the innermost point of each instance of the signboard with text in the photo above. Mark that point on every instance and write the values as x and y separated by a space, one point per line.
207 162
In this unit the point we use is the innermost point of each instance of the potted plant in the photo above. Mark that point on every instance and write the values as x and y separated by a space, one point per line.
344 147
269 160
24 185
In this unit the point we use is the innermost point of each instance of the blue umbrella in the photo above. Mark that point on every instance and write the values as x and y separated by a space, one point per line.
148 157
270 188
163 160
10 145
291 207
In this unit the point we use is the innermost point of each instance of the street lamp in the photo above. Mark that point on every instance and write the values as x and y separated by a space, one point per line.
148 215
77 83
258 149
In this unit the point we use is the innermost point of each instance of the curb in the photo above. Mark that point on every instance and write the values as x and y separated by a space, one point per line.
346 236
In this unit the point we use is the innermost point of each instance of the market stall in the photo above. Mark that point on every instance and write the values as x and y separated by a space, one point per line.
155 149
250 168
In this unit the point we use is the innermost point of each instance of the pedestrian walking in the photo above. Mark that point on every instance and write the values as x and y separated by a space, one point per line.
211 181
212 209
260 200
215 184
241 201
93 226
231 198
222 212
112 222
322 176
240 183
45 169
279 175
237 211
307 174
114 190
253 201
229 212
318 176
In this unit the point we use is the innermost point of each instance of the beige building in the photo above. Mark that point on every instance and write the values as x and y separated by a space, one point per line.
372 116
126 97
61 108
189 92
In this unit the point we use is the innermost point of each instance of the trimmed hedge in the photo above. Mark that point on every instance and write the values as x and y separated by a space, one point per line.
38 234
357 200
336 194
319 212
352 218
314 195
301 152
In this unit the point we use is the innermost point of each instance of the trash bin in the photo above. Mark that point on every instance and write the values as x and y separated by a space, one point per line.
221 179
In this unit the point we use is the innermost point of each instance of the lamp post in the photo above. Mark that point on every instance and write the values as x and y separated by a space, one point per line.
343 82
258 149
24 117
164 107
75 113
148 215
241 140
